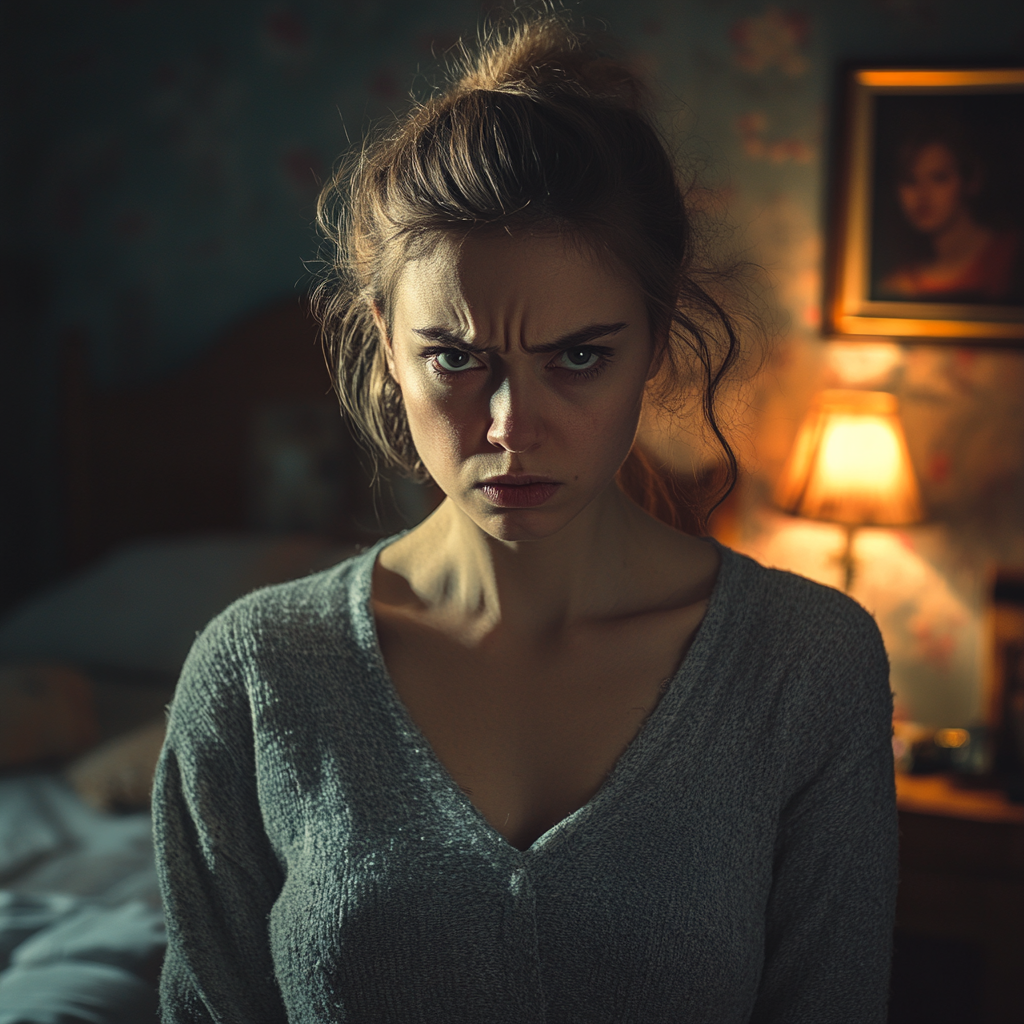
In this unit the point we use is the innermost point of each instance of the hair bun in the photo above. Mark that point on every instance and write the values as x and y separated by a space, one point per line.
545 57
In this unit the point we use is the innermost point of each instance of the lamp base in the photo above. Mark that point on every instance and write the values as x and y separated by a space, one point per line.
847 561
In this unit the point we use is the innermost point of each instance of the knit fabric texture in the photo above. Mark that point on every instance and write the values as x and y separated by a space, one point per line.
318 863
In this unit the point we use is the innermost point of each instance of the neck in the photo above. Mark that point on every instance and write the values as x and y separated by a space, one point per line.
960 238
533 586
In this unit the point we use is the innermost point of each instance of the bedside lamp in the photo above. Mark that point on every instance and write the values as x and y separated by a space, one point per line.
850 465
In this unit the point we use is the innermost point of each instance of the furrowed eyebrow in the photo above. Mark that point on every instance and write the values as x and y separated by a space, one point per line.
580 338
445 337
575 339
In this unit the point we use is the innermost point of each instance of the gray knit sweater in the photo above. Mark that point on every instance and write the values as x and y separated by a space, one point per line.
739 863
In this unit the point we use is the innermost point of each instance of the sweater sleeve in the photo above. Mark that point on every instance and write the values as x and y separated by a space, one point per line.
219 877
828 935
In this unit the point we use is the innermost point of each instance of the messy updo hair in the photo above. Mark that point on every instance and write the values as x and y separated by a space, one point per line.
539 130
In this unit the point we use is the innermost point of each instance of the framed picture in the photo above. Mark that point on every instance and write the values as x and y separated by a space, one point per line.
927 236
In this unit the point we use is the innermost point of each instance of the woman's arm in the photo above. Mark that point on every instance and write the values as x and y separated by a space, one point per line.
828 935
218 874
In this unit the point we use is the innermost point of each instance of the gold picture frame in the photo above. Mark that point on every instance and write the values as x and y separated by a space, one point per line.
880 218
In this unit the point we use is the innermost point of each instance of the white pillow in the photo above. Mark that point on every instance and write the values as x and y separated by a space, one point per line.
141 607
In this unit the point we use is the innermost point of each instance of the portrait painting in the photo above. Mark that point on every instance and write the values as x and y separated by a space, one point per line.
927 237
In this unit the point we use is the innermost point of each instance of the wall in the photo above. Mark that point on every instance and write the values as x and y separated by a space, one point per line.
163 160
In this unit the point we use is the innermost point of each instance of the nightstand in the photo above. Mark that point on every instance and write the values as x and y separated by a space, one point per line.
962 884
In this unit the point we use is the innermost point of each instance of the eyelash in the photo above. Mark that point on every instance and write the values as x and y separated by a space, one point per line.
575 375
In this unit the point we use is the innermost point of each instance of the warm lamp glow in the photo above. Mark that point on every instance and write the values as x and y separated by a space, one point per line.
850 463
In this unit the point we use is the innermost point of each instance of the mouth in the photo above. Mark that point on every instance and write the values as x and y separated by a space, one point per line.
517 480
518 490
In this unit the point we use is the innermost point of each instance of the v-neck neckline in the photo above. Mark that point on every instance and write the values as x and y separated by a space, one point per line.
645 738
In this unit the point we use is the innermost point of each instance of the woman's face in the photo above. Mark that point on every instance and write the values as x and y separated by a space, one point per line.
932 192
522 364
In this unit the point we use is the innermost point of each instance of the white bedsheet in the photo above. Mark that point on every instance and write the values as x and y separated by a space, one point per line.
81 930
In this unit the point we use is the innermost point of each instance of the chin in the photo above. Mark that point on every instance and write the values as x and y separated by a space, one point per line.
514 525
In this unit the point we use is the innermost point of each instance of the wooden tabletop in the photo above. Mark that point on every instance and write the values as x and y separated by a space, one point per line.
949 797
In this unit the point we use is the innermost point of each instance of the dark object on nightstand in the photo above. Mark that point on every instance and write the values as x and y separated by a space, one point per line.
964 751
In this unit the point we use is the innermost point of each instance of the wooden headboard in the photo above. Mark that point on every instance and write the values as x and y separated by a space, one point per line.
175 456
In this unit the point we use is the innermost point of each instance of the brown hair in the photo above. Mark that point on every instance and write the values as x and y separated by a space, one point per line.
538 129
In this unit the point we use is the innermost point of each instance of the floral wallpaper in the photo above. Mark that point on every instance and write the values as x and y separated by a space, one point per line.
166 158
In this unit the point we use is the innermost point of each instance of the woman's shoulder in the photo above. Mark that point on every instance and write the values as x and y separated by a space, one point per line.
807 648
786 595
798 621
310 601
901 283
286 623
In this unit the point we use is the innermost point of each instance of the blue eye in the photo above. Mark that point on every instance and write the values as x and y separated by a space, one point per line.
580 358
453 360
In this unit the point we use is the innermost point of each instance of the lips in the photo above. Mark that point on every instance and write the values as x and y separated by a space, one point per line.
512 490
519 479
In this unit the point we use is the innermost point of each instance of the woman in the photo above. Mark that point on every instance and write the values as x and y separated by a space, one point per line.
964 260
542 757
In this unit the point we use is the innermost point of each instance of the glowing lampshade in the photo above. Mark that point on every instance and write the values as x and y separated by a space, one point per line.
850 463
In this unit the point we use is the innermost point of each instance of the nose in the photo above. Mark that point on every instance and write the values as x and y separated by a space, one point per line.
515 423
